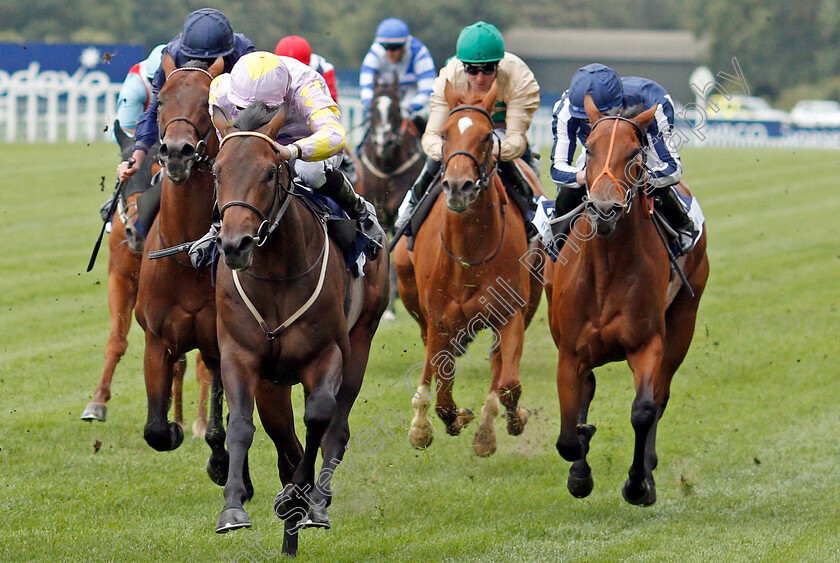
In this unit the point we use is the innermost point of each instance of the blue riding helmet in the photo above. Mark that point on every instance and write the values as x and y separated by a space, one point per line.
207 34
599 81
392 31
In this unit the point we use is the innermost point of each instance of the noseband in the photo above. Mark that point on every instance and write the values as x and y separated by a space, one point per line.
201 156
267 226
485 172
629 193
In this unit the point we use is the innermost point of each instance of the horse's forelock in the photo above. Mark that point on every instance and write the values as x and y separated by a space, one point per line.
203 64
254 116
628 112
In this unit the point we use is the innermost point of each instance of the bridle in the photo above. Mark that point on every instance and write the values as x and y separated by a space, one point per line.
393 137
629 193
280 204
485 172
200 156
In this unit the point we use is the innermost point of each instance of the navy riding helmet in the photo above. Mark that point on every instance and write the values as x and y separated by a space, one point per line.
601 83
207 34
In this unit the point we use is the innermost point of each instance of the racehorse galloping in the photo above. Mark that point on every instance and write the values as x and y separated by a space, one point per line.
465 274
282 270
612 297
176 302
390 154
123 271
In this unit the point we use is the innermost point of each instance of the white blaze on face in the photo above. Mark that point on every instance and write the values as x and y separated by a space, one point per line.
464 123
383 106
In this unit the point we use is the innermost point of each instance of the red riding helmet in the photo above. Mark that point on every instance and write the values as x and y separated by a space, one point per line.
295 47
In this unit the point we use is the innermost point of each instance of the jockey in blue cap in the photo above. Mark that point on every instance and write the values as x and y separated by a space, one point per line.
207 34
395 50
136 91
613 96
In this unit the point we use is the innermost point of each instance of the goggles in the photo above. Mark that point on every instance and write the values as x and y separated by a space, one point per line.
486 69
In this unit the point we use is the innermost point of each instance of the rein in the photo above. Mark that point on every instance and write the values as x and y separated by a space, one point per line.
265 230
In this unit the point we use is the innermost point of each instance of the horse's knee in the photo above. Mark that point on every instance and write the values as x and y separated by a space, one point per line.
643 414
320 407
569 446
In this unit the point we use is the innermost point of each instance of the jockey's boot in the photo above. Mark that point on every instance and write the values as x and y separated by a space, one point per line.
565 211
148 205
676 214
418 189
348 166
523 195
339 189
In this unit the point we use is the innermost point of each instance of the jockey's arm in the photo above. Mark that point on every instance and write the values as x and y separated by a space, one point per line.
522 100
322 114
663 161
564 171
370 66
438 112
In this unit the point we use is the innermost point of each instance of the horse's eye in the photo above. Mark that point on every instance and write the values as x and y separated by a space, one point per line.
271 175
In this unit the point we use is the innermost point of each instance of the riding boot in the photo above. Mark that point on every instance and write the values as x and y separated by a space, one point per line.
348 167
148 205
339 189
418 189
565 211
523 195
673 210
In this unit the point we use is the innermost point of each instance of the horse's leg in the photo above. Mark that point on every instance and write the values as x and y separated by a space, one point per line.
441 362
580 481
391 312
214 435
204 379
159 365
320 379
178 390
337 434
240 381
639 488
570 388
484 443
122 295
512 337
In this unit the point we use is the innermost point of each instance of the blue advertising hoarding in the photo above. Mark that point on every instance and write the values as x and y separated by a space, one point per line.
115 60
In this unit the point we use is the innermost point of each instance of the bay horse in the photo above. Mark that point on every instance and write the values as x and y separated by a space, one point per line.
612 298
465 274
123 271
280 269
176 302
391 154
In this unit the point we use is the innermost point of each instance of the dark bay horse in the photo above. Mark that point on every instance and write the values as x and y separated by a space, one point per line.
123 271
391 154
175 302
281 270
612 297
465 274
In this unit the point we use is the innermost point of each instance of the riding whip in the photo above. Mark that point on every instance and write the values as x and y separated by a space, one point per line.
115 199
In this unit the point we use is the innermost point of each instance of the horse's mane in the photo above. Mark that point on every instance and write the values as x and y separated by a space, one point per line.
254 116
630 111
198 63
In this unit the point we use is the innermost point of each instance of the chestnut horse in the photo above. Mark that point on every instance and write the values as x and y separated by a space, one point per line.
282 270
391 154
123 270
175 302
612 296
465 274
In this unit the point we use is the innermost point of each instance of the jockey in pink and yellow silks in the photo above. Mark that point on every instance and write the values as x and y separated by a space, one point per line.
311 138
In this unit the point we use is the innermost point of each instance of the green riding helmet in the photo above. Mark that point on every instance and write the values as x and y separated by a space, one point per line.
480 43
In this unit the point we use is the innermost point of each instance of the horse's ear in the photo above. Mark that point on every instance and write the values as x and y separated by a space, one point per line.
123 139
221 121
276 123
168 63
591 109
644 118
451 95
217 67
489 100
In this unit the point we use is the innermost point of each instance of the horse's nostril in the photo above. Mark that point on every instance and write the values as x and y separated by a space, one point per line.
188 151
163 151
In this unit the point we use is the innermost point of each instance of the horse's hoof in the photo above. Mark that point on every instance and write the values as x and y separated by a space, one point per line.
463 418
232 519
516 421
288 506
95 411
177 434
317 518
580 487
484 444
421 437
217 470
643 494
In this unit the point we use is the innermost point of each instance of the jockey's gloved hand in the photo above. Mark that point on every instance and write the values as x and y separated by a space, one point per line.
202 251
